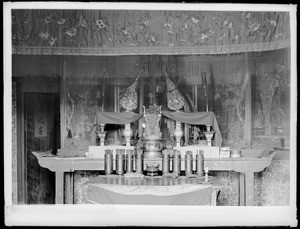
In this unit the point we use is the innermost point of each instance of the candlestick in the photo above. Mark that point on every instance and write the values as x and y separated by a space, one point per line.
206 174
127 134
102 126
101 134
209 135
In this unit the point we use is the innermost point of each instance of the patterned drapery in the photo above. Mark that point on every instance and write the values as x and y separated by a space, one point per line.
142 32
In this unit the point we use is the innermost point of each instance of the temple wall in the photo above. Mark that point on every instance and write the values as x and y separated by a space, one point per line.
14 143
38 183
226 79
272 186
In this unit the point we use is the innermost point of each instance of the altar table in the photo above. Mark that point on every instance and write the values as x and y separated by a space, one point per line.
152 190
252 160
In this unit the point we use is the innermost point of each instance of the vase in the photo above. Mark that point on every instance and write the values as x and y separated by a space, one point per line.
178 133
127 134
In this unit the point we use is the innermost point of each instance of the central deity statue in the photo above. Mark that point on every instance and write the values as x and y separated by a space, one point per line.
152 141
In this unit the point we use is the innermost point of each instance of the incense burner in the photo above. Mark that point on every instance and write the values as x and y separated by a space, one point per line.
152 148
152 170
152 143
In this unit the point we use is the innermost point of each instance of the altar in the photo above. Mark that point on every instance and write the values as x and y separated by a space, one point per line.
253 161
168 97
154 154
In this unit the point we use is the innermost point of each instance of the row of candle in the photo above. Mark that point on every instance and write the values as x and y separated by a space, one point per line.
175 157
123 162
126 162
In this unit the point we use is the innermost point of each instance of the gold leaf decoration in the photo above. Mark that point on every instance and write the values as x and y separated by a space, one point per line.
175 99
129 98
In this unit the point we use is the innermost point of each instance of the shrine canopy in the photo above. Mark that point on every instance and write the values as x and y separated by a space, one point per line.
104 117
197 118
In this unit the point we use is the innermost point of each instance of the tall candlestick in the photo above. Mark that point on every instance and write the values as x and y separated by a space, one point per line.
178 133
101 134
209 135
127 134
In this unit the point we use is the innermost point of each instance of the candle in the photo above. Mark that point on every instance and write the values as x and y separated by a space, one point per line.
206 169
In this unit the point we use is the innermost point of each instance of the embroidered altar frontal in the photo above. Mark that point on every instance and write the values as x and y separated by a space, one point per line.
153 191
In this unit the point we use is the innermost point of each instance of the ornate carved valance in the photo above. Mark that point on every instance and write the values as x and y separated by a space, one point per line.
142 32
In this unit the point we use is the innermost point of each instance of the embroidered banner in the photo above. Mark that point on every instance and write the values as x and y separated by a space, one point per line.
40 119
141 32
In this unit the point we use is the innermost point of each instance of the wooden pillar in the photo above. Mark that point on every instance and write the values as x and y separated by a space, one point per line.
153 87
60 36
141 103
213 200
63 133
116 99
249 176
21 152
103 94
186 133
248 105
116 107
69 181
196 96
242 189
59 187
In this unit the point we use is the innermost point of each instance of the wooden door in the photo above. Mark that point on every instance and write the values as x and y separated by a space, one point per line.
40 135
